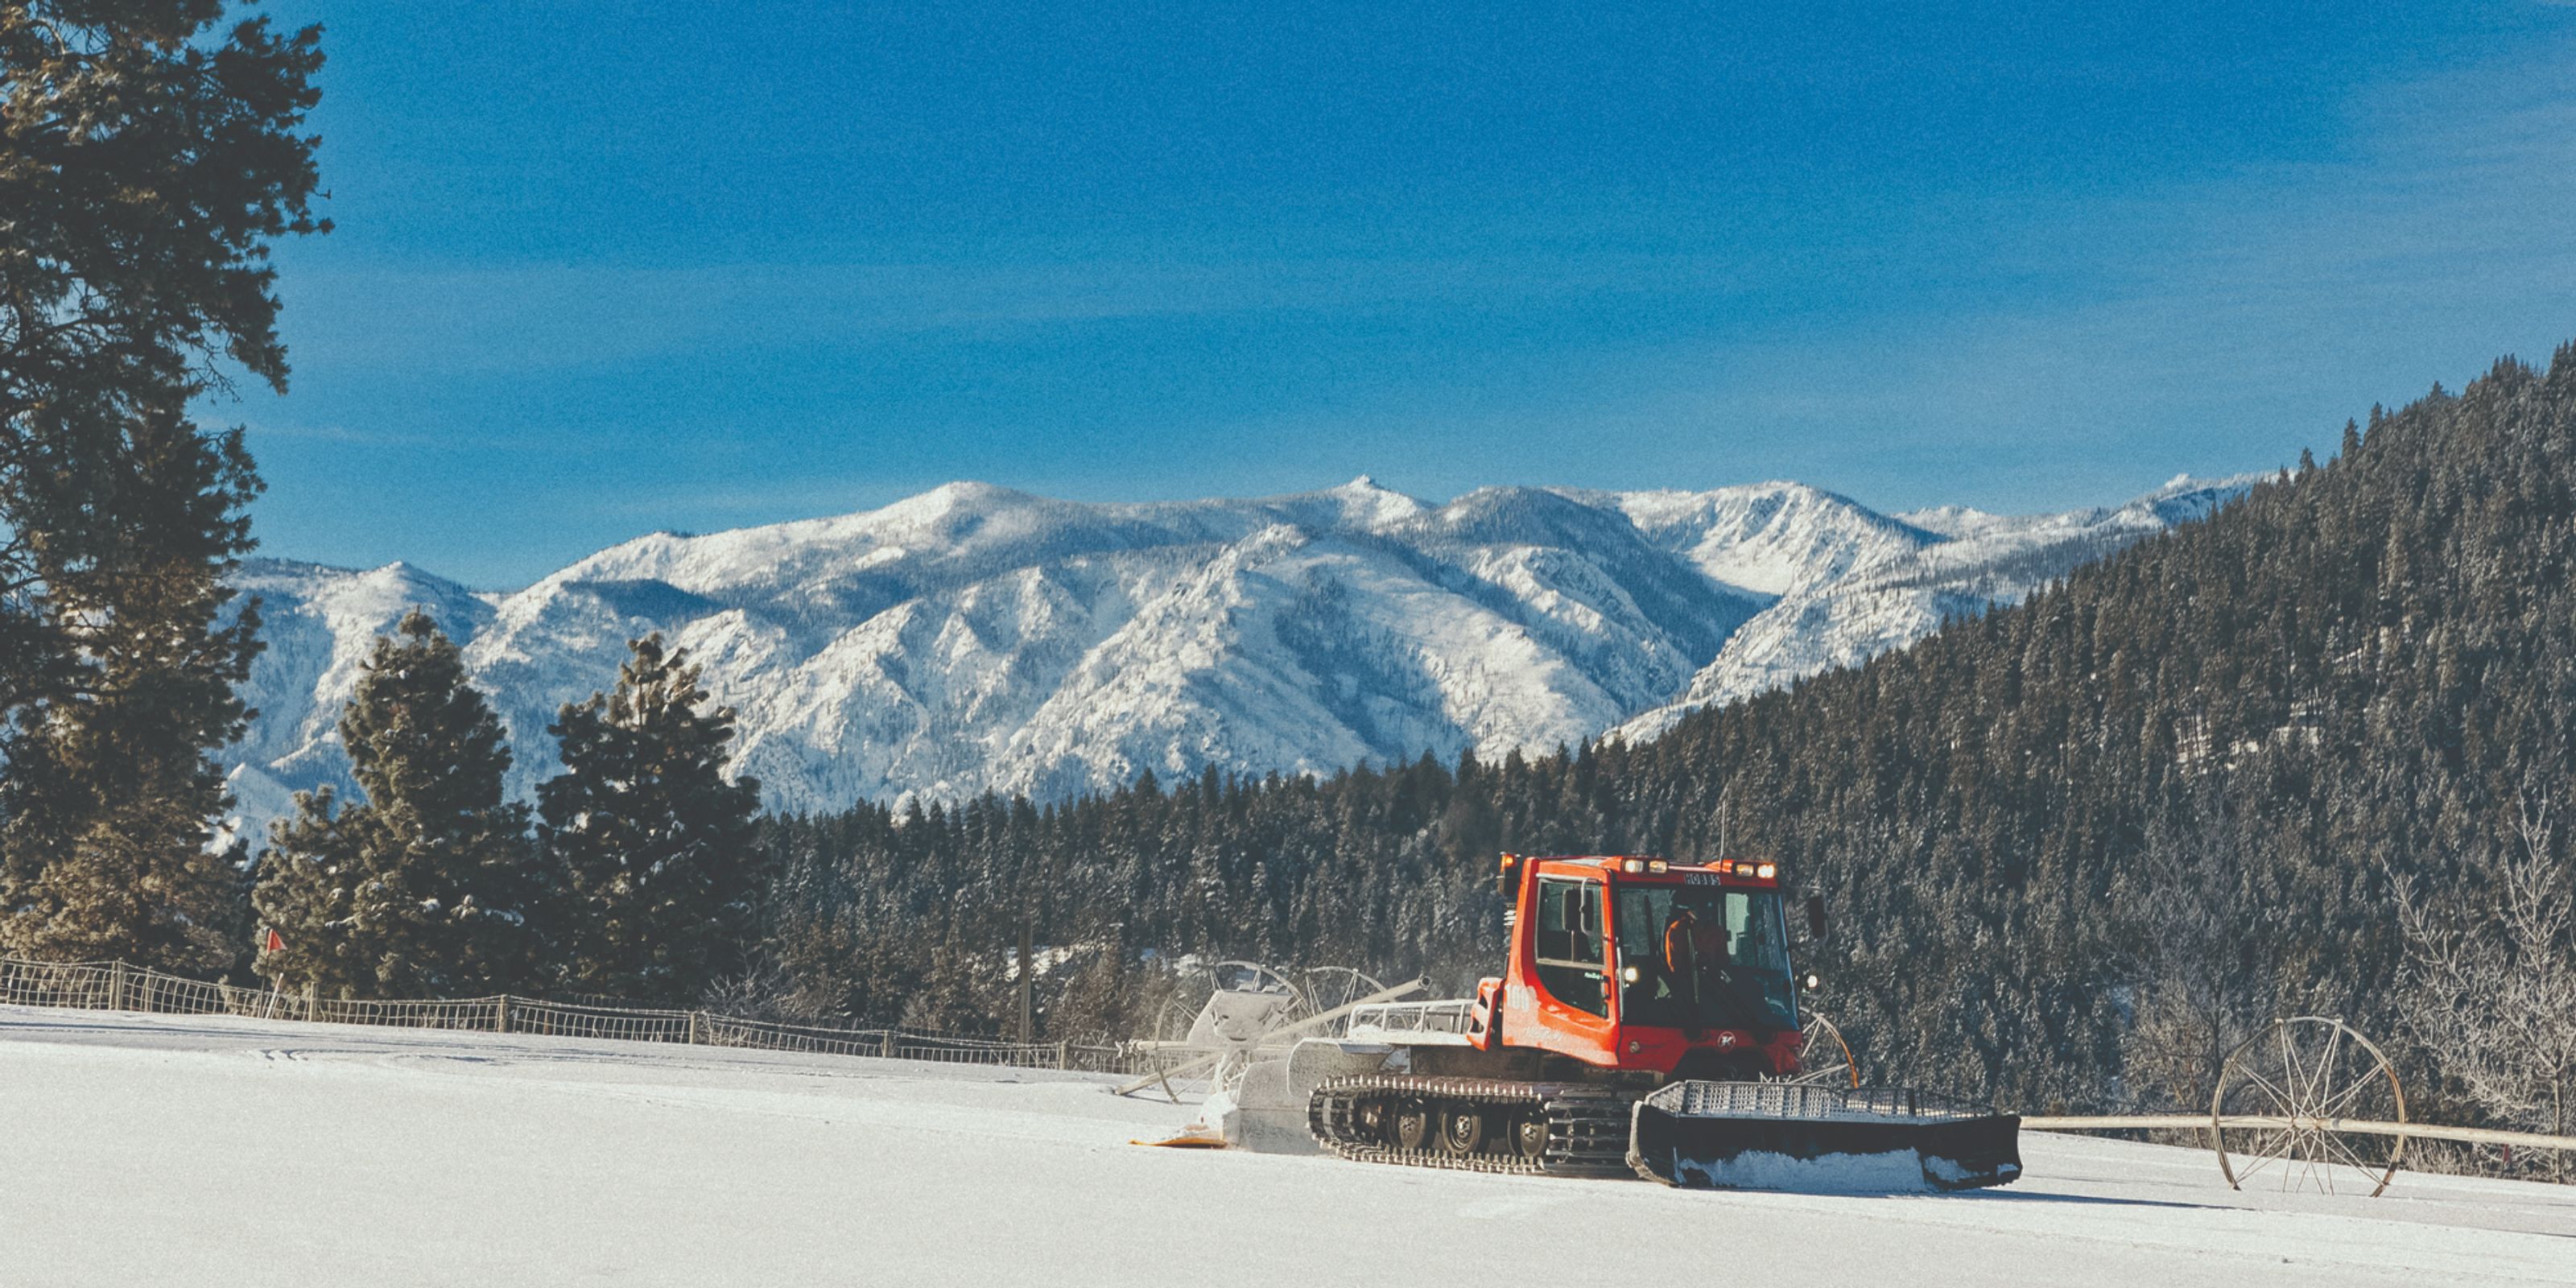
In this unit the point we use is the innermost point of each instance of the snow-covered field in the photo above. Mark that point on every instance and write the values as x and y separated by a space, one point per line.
192 1150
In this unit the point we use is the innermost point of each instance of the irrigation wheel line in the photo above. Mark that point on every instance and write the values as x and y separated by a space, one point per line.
2295 1095
2313 1097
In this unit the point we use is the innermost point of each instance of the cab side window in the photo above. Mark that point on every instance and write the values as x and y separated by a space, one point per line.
1573 961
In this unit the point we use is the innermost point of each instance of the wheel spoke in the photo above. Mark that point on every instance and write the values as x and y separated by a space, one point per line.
2290 1071
2276 1148
2309 1080
2326 1069
2340 1103
2354 1159
2322 1072
2280 1099
2376 1075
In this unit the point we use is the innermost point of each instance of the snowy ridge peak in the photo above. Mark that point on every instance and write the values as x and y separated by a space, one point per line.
977 638
1771 538
1897 583
1366 504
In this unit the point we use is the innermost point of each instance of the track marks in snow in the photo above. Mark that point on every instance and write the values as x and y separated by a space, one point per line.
183 1150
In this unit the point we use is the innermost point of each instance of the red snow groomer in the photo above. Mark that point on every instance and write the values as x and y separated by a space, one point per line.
1646 1019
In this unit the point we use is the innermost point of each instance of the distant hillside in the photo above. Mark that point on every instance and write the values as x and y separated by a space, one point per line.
2075 846
975 638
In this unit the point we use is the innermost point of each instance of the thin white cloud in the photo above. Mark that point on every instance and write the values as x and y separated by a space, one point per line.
512 318
319 434
2213 328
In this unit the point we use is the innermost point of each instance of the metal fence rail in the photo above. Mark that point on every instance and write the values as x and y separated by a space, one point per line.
115 986
2205 1124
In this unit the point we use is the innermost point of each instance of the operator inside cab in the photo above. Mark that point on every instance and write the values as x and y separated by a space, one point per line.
1690 943
1696 959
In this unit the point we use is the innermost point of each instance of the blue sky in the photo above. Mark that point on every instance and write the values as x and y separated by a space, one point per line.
605 268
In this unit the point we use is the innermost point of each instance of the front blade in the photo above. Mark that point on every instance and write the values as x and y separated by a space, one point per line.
1773 1136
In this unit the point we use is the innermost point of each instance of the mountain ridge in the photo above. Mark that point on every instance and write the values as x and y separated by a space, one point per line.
974 637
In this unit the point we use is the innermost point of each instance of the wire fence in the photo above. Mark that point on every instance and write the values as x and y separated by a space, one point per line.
115 986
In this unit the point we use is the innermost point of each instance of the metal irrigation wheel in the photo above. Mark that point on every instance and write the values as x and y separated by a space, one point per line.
2314 1099
1330 987
1193 986
1250 977
1172 1025
1825 1058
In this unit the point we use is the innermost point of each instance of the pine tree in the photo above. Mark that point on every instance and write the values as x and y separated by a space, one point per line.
146 162
429 887
653 845
111 784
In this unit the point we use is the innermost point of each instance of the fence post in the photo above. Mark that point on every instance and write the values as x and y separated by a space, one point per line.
116 985
888 1052
1060 1052
501 1013
697 1028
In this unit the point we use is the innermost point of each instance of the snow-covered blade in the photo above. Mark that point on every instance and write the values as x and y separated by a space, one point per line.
1809 1139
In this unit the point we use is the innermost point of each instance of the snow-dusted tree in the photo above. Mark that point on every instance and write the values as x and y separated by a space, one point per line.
148 155
2201 980
111 786
428 888
654 845
2491 973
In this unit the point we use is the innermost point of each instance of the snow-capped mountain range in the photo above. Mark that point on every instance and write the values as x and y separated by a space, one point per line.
976 638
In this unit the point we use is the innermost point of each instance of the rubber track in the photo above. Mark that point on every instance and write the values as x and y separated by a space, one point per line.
1587 1126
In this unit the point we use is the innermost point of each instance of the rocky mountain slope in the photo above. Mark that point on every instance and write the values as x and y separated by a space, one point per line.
976 638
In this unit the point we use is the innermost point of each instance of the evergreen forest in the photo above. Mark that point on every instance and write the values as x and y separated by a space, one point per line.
2075 848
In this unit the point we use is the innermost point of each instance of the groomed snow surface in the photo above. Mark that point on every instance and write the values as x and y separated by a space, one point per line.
194 1150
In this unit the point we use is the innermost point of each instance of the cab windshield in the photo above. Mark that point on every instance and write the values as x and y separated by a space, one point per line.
1704 958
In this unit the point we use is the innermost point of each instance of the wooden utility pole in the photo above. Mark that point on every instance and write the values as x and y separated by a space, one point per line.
1028 987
